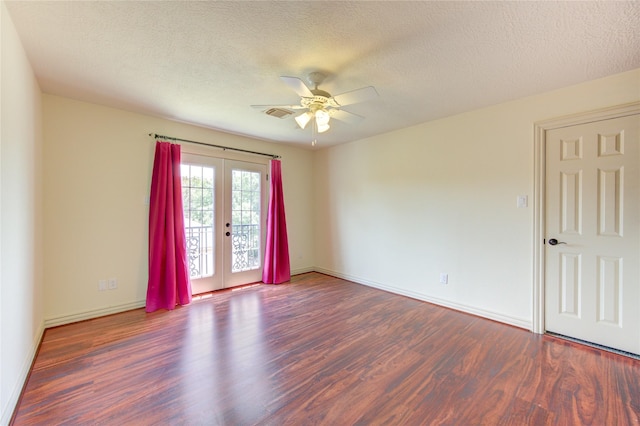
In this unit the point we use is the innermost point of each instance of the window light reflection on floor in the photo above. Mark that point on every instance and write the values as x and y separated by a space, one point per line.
209 295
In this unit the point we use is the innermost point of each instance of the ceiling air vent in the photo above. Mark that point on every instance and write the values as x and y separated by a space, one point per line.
278 112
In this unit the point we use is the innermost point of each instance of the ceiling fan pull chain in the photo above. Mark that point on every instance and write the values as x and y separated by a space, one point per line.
314 139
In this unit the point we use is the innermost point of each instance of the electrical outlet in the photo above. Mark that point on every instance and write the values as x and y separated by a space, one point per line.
113 283
102 285
444 278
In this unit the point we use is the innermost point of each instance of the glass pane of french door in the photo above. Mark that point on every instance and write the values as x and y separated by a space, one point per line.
245 219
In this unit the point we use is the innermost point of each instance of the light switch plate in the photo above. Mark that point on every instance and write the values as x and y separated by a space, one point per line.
522 201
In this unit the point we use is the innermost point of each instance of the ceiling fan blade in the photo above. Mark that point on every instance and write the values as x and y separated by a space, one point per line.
356 96
298 86
347 117
278 106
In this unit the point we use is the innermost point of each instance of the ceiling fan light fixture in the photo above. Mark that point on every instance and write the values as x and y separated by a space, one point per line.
322 127
322 118
303 119
319 105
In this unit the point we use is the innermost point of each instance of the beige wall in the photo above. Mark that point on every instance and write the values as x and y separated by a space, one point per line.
396 210
97 172
21 291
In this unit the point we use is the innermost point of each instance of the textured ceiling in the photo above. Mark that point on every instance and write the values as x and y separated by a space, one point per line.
207 62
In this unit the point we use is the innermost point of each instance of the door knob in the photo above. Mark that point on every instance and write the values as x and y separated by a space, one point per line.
553 242
227 234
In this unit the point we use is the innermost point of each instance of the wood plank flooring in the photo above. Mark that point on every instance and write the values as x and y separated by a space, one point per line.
320 351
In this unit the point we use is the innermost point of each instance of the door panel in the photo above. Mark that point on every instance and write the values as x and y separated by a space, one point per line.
245 214
202 204
592 278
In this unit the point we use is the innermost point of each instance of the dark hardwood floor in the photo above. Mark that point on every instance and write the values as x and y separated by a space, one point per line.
320 350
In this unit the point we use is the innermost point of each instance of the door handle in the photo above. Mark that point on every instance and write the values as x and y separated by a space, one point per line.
227 234
553 242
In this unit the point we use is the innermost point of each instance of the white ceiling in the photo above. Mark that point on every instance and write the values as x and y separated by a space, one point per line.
207 62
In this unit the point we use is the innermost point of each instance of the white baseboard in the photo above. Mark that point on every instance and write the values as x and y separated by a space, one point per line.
506 319
302 271
86 315
12 402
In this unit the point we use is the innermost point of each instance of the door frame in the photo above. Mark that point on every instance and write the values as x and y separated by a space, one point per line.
539 206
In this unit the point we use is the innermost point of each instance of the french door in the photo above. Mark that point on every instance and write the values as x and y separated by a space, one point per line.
224 210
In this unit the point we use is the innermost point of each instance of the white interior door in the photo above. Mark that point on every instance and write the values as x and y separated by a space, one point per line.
224 205
592 277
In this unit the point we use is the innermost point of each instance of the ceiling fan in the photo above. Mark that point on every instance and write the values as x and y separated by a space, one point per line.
320 106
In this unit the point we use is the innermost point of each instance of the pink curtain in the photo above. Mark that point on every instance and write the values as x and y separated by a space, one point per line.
168 268
276 259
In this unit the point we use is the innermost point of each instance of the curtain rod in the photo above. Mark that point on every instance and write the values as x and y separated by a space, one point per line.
224 148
